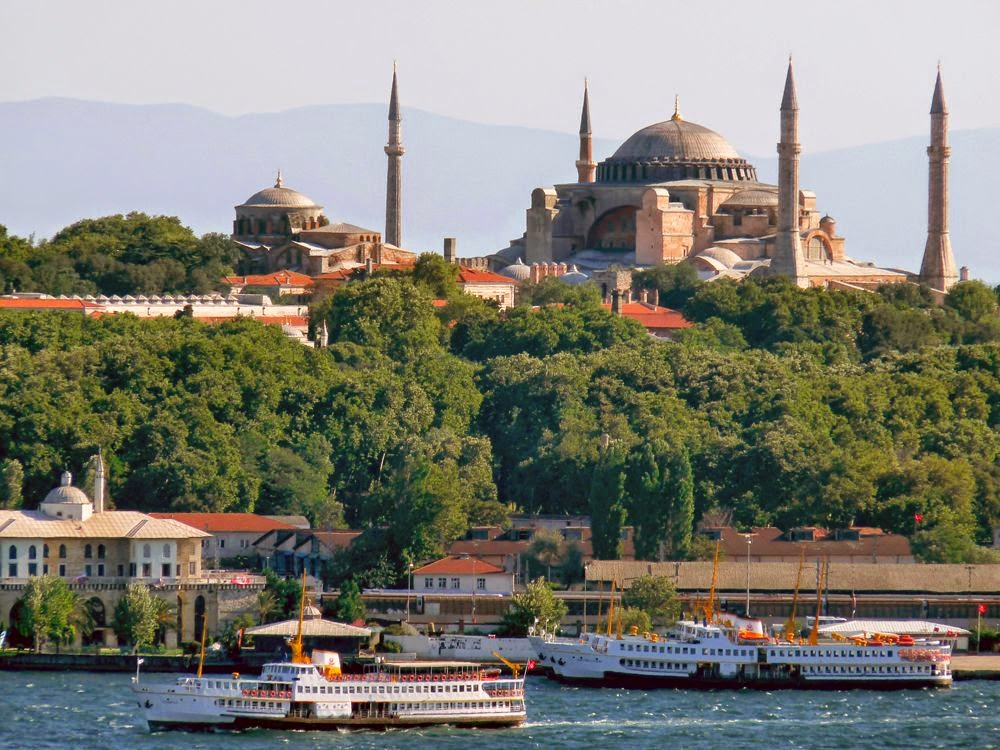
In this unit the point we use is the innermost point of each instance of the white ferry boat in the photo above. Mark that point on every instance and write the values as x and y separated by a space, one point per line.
735 653
306 693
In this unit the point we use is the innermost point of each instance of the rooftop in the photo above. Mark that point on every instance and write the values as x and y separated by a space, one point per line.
216 523
316 627
33 524
458 565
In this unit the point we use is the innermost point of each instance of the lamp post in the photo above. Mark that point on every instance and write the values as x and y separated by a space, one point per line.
474 585
749 541
409 591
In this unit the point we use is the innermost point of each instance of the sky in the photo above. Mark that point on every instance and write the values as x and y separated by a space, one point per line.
864 69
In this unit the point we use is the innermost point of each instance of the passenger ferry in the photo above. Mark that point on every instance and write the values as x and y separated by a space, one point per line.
313 693
736 653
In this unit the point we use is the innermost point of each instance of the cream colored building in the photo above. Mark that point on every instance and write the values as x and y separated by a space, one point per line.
99 552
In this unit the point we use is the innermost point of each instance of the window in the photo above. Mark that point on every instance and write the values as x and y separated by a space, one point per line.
32 552
147 570
32 569
428 583
166 551
121 570
88 551
481 584
191 568
222 543
45 551
101 551
442 583
100 570
12 554
88 570
131 570
12 570
456 583
166 570
62 570
147 550
62 551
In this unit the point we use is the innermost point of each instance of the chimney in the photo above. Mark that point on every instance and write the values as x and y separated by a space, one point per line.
449 250
656 297
369 267
644 296
963 273
99 484
616 302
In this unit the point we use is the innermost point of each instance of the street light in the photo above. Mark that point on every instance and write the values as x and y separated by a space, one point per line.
749 542
409 591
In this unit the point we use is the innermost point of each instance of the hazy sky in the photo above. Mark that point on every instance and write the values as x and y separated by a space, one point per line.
865 68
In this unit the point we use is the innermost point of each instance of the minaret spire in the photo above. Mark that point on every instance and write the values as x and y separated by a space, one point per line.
586 168
937 269
787 259
394 178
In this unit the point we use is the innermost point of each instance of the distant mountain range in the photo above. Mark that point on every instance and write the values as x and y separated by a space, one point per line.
62 160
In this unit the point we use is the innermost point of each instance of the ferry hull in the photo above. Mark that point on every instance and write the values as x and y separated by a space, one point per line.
343 724
644 682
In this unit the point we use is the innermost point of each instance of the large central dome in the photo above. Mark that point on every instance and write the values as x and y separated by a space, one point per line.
672 150
675 139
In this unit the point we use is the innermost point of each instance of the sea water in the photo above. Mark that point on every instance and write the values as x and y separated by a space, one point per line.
77 711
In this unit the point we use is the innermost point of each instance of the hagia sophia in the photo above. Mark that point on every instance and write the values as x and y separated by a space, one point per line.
675 191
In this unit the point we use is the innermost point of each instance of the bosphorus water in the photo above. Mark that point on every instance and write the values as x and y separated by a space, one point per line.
78 711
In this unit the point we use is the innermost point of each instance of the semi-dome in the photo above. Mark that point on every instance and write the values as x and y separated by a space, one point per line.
752 199
516 270
66 493
676 139
280 196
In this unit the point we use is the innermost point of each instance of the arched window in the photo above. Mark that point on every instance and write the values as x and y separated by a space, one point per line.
62 551
816 250
88 551
147 551
12 554
45 551
32 552
101 552
166 550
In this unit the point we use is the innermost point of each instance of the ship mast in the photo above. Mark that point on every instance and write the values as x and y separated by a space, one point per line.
790 625
710 605
814 633
611 605
204 634
296 644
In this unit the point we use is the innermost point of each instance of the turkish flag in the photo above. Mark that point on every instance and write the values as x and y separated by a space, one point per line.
918 518
982 609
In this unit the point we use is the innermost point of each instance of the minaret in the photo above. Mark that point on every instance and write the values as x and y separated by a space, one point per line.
938 267
394 178
788 259
586 167
99 483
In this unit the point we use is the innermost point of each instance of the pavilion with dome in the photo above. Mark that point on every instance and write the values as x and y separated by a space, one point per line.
677 191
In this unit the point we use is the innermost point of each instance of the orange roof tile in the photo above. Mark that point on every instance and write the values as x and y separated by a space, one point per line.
278 278
458 566
34 303
474 276
226 522
653 316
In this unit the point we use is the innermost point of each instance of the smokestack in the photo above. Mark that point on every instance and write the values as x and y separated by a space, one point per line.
449 250
99 484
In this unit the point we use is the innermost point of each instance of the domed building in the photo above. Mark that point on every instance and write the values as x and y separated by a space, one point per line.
678 191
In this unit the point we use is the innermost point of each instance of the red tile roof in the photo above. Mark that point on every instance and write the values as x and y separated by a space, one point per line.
337 539
653 317
458 566
226 522
278 278
473 276
439 302
33 303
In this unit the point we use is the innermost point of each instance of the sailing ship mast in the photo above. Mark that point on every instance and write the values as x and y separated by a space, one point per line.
790 625
814 632
710 605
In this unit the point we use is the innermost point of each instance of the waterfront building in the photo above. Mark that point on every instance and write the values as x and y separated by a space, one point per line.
233 535
289 552
462 574
99 551
857 544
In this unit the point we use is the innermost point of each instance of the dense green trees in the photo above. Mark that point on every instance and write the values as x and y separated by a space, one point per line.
783 406
534 609
49 611
121 254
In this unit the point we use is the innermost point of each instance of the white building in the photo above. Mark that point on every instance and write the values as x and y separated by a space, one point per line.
461 574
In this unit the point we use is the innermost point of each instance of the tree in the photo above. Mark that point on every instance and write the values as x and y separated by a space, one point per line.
51 612
11 482
137 617
626 618
350 607
656 596
648 512
676 282
267 605
972 300
547 547
437 274
535 609
679 495
287 596
607 510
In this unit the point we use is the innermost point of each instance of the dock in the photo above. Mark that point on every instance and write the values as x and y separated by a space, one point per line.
976 667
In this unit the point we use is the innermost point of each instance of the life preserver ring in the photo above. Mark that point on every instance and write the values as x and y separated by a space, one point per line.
246 693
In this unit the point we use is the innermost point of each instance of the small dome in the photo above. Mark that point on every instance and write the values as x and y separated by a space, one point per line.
280 196
752 199
311 612
574 276
719 257
66 492
516 270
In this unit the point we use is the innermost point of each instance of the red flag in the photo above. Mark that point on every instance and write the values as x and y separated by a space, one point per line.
239 638
918 518
982 609
531 665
